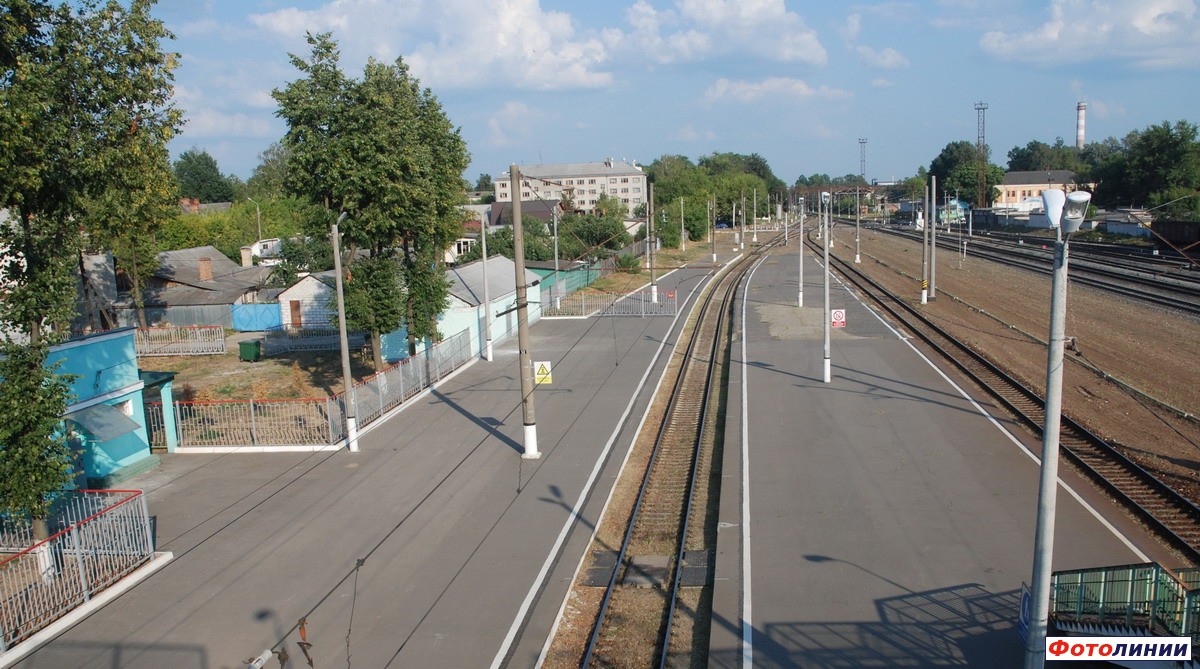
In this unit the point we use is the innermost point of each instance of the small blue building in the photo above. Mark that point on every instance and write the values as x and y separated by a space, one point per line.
107 412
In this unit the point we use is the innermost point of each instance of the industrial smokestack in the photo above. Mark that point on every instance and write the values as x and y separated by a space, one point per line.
1080 112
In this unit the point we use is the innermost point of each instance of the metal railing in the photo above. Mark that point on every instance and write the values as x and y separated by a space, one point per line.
596 303
190 340
1146 597
306 422
104 535
289 339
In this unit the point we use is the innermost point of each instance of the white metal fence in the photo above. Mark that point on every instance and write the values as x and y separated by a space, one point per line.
595 303
101 536
189 340
307 422
289 339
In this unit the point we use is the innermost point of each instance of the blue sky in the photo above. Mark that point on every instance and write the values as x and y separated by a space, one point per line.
532 81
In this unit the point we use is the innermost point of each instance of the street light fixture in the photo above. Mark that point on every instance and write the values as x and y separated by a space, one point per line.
825 244
1066 214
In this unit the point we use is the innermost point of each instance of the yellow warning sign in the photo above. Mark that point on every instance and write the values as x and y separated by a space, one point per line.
541 373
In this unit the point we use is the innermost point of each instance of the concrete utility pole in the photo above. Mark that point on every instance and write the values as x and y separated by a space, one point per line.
925 251
742 245
682 229
755 224
650 248
800 251
526 364
933 240
857 223
487 300
828 365
347 380
712 231
554 218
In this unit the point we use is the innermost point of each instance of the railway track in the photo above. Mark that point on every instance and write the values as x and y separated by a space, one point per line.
652 592
1178 291
1171 516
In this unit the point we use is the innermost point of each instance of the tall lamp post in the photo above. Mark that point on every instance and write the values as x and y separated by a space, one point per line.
1066 214
825 245
257 217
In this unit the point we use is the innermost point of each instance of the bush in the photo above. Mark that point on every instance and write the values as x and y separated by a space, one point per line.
628 263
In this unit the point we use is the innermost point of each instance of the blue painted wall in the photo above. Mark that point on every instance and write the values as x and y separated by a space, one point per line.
106 365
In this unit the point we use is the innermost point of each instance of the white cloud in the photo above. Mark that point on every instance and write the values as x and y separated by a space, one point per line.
852 28
689 134
882 83
458 43
204 122
1147 33
513 123
698 29
887 59
748 91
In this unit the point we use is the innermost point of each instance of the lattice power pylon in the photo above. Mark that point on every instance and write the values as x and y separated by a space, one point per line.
980 158
862 157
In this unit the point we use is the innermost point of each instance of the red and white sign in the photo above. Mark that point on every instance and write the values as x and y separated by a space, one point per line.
837 318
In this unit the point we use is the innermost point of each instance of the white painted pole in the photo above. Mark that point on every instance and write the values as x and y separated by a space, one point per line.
828 376
487 300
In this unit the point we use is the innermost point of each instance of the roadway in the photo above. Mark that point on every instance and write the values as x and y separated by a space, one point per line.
884 518
467 549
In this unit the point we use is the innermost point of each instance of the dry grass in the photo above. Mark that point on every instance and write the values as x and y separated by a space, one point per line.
225 377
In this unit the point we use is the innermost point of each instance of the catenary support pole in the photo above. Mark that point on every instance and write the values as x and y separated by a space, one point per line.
825 244
347 380
487 299
933 219
524 360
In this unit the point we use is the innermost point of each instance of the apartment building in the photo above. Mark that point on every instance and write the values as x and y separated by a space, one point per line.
582 183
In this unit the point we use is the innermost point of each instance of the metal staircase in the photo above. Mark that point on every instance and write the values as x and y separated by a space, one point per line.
1128 600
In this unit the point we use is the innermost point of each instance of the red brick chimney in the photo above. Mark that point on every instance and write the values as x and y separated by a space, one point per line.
206 269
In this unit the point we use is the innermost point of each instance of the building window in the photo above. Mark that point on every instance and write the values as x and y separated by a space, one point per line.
624 180
592 181
624 190
612 180
503 185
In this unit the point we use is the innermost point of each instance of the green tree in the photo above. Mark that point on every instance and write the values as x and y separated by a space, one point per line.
382 150
952 156
302 254
85 89
965 178
374 300
200 178
267 181
484 182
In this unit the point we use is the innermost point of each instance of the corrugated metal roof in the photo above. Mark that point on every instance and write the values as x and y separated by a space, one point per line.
466 281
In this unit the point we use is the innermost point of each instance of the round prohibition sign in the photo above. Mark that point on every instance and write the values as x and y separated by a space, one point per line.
837 318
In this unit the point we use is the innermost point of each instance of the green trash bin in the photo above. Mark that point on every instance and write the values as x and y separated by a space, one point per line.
250 351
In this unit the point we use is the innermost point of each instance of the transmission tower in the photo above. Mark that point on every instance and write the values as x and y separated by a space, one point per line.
862 157
980 158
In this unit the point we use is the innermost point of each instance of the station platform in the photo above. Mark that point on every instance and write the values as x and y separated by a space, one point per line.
885 518
436 545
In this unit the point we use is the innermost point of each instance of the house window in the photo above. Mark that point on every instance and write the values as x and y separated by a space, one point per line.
592 181
624 190
612 181
624 180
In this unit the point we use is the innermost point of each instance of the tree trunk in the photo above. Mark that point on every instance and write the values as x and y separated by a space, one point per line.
377 350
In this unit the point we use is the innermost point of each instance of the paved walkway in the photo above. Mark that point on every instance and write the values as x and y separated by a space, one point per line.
465 548
884 519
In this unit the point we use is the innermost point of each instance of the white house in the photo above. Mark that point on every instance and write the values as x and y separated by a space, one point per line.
306 304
